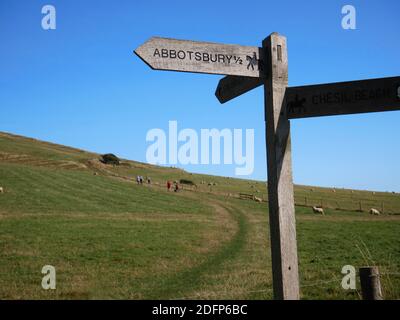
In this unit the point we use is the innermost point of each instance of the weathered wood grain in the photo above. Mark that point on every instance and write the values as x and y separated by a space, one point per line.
339 98
280 181
370 283
231 87
202 57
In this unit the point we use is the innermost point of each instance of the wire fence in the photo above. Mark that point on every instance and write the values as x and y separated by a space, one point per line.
342 202
356 205
350 204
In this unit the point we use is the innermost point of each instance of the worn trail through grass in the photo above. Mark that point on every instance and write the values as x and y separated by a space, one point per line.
185 283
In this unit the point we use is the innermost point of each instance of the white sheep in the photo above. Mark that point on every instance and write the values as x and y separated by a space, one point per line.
374 211
1 190
318 210
257 199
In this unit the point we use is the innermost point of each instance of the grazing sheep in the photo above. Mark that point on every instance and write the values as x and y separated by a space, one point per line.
318 210
1 190
333 190
257 199
374 212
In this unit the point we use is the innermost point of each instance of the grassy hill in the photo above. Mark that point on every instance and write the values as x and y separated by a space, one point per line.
108 237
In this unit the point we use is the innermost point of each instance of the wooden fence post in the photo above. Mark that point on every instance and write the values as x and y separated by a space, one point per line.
370 283
280 181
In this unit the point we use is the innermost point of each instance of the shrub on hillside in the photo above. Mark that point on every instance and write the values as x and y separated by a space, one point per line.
185 181
109 158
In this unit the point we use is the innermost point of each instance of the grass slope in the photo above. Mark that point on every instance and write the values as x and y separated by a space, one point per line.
110 238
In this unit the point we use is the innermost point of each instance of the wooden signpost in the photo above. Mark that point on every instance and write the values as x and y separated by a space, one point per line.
247 68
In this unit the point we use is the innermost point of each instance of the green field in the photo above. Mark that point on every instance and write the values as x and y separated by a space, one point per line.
110 238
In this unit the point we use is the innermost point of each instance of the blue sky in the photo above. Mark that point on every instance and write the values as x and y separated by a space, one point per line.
81 85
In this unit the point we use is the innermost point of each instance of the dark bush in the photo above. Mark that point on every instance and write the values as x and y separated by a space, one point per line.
185 181
109 158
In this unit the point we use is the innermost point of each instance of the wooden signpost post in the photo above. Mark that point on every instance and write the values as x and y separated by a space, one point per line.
247 68
282 222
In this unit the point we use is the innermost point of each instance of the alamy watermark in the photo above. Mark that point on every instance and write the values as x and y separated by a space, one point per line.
349 18
49 20
349 280
49 280
186 146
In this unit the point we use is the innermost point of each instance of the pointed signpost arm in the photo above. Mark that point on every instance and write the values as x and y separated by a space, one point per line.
280 181
350 97
231 87
202 57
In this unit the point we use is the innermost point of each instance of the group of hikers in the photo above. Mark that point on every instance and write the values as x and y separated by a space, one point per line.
140 180
169 186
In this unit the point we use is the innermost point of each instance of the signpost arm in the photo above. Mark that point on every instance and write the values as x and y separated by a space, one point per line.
280 182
